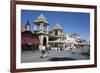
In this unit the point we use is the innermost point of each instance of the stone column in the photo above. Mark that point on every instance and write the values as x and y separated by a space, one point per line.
64 45
35 27
47 41
59 32
41 26
41 39
47 28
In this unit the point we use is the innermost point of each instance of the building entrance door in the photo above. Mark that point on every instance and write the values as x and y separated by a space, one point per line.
44 41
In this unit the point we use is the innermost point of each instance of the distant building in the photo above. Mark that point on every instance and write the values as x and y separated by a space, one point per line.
75 39
70 40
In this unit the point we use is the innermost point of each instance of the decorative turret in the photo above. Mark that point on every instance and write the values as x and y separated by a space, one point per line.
57 29
27 26
41 21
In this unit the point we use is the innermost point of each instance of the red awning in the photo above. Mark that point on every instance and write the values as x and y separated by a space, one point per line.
29 41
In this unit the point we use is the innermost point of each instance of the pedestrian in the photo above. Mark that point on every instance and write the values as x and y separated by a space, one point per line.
40 49
47 48
71 48
43 51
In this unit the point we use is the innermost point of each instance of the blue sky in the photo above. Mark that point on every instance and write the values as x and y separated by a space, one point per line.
71 22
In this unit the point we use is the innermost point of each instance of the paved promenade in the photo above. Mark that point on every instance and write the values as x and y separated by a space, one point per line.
53 55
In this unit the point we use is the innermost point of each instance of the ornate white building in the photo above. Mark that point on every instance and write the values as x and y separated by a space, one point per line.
57 37
54 38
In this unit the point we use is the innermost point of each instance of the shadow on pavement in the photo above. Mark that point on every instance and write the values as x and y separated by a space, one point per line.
87 54
61 59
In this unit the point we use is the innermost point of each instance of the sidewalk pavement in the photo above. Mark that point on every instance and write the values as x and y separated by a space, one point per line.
76 54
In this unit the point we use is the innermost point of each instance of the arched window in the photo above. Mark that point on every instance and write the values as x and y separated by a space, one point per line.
56 33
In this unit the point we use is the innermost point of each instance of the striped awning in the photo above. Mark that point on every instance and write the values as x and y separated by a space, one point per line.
29 41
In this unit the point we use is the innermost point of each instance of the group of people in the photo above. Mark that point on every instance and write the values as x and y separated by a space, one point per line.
44 50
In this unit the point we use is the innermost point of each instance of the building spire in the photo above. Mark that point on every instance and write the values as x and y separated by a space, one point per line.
28 22
27 26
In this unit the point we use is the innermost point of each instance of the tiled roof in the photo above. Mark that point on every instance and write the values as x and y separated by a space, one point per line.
29 41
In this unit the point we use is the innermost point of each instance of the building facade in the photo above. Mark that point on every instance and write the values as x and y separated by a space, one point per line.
54 38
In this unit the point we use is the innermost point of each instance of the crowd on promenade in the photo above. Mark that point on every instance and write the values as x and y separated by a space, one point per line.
44 50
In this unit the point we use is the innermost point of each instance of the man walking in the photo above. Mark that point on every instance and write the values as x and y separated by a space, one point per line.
43 51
